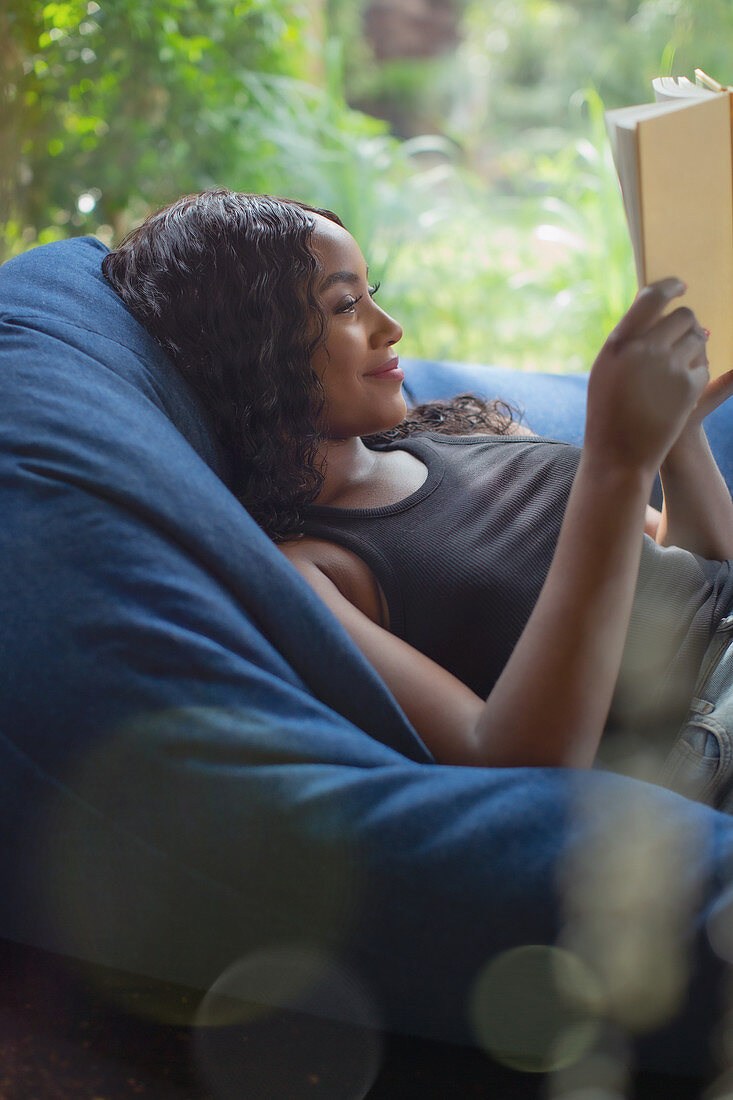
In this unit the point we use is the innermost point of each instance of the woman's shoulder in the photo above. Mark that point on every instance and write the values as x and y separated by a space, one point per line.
351 575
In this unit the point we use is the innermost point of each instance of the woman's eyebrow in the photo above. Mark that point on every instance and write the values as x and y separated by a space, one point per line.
340 277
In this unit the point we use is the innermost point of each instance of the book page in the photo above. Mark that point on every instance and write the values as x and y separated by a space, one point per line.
671 88
686 188
623 147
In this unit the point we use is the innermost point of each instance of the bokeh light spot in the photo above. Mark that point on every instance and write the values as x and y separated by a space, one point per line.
533 1008
185 780
288 1022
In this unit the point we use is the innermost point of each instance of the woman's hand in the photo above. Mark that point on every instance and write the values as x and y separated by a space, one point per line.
648 378
715 393
686 448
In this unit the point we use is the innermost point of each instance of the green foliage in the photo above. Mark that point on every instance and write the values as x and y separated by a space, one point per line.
520 62
533 280
131 104
499 238
534 260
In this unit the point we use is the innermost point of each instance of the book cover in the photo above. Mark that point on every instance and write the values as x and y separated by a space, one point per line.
674 162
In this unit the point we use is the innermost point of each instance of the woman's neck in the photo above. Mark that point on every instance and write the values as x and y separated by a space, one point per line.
346 463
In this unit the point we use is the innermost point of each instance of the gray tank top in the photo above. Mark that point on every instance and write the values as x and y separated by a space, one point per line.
462 561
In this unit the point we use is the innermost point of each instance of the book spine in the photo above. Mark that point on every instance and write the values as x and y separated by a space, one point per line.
640 252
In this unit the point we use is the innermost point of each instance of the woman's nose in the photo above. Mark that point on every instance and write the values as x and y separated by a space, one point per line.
388 328
397 330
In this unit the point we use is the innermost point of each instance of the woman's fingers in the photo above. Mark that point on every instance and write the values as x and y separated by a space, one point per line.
722 386
646 309
678 332
674 326
690 352
714 394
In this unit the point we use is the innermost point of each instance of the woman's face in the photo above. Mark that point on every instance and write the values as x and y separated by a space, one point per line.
356 364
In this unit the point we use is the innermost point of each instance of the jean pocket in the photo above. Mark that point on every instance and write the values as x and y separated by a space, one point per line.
699 764
715 655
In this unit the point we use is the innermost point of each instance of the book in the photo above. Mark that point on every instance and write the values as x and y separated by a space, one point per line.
674 160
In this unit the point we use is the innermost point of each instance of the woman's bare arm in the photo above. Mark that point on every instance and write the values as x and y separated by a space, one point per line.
552 699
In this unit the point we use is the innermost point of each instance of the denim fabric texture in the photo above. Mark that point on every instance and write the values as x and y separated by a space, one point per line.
700 764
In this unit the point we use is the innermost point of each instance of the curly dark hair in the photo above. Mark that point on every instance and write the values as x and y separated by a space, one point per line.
226 283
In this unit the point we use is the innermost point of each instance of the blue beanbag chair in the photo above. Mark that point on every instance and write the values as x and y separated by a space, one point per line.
198 766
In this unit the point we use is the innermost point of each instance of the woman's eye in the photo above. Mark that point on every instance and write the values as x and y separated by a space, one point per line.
349 305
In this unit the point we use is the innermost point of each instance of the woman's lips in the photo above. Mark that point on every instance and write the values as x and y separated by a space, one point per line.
391 370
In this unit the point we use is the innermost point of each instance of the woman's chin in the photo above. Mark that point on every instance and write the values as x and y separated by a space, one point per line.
366 421
394 418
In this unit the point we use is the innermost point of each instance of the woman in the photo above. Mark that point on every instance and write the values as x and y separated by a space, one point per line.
266 308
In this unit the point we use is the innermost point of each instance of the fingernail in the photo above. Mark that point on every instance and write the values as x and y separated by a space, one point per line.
706 333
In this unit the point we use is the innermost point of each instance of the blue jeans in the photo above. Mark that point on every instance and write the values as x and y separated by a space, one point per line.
700 764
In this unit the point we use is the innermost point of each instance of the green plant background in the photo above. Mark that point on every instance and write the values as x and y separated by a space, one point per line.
478 181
